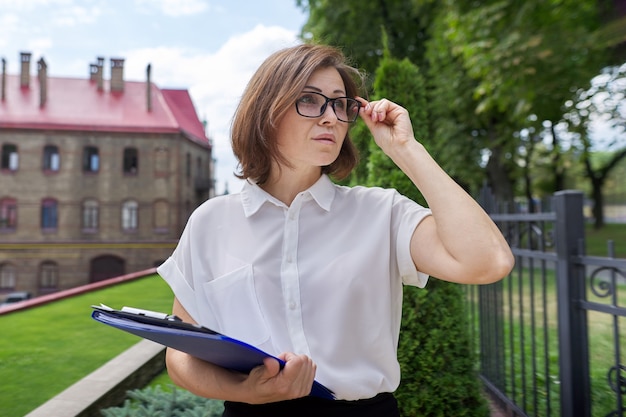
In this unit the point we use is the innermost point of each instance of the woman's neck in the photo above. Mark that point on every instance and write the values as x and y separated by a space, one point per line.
286 184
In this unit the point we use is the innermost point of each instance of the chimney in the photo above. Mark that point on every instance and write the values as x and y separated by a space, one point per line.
25 74
117 74
4 80
42 74
93 72
148 89
96 73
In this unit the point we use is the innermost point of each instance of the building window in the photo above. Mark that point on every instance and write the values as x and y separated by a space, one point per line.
48 276
9 158
8 276
161 216
49 214
131 161
129 215
90 215
51 158
8 214
91 159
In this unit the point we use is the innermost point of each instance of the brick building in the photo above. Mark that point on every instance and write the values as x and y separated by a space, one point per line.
97 176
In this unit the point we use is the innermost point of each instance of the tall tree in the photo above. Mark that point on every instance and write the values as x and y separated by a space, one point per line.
525 59
438 373
516 65
354 25
600 111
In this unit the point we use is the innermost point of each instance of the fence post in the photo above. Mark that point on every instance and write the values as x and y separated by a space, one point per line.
573 342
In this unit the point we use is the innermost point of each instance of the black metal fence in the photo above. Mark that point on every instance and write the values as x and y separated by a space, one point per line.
551 336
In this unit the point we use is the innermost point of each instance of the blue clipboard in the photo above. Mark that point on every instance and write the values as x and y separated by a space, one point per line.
195 340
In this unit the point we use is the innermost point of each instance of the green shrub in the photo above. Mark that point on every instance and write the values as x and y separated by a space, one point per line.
174 402
438 366
439 377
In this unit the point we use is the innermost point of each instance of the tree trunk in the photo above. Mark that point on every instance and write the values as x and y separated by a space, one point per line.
557 164
598 202
498 178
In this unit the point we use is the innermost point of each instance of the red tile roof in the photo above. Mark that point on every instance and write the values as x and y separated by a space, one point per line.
76 104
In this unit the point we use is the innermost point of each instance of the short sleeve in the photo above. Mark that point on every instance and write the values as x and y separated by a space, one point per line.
171 273
410 214
178 272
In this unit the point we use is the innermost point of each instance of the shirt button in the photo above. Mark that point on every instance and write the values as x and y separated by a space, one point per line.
292 305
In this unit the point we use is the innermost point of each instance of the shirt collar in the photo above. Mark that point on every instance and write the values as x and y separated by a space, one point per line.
253 196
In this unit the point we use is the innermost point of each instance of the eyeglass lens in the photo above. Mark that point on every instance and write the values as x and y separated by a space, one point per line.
312 104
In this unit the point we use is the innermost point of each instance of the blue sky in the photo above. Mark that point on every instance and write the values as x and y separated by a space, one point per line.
210 47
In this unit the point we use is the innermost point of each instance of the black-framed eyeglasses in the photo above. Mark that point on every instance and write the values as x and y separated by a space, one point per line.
311 104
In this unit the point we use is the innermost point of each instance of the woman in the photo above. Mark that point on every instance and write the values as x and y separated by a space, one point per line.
310 271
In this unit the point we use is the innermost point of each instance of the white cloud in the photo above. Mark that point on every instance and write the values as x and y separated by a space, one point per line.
215 82
38 47
76 15
8 24
176 8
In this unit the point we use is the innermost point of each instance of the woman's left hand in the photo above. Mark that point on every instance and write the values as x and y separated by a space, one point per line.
389 123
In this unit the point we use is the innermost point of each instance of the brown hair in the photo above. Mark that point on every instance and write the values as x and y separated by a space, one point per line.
271 92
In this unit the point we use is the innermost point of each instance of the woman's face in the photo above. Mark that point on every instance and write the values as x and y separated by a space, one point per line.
309 143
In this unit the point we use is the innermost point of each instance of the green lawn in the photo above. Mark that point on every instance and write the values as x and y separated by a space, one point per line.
44 350
596 240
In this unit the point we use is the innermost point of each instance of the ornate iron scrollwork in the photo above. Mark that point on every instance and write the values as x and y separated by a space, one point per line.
602 287
617 381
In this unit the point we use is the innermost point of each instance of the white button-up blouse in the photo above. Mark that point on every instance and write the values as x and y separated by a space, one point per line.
321 277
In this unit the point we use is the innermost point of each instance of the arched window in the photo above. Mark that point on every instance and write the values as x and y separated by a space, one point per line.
51 158
106 266
49 214
90 215
48 277
129 215
8 276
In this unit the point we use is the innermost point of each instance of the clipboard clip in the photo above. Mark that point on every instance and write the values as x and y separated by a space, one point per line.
140 312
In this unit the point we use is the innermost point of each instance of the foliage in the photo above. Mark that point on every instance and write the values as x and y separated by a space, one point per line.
515 51
602 103
438 366
156 402
495 68
460 136
402 81
354 26
434 349
520 73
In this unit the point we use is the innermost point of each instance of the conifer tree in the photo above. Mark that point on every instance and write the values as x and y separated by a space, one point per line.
438 365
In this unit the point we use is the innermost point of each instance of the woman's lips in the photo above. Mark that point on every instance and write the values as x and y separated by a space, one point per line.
325 138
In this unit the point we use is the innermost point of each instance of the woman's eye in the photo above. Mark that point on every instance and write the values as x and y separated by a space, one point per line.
340 104
307 99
